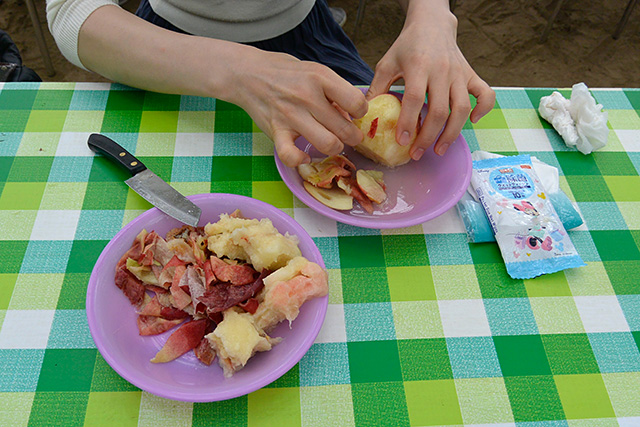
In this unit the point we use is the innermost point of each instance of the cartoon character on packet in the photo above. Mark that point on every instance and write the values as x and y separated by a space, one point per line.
536 237
527 208
534 240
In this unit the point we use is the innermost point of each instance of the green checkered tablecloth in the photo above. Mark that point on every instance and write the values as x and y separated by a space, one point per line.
422 328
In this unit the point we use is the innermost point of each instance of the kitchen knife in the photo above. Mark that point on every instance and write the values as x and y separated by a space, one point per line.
146 183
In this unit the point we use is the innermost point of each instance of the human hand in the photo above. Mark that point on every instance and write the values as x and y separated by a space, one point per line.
427 57
285 97
288 98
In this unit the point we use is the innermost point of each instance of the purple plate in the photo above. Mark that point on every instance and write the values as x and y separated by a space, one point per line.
416 192
112 319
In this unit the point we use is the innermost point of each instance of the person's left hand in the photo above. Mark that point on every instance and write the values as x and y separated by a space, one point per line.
427 57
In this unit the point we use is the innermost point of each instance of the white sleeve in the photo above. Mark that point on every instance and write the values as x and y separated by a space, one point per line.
65 17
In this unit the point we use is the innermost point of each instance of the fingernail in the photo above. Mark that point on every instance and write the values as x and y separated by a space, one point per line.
417 154
475 119
405 138
443 149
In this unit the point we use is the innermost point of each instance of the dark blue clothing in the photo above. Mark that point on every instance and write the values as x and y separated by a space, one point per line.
318 38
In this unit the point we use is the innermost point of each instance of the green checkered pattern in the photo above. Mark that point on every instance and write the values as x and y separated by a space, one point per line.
422 329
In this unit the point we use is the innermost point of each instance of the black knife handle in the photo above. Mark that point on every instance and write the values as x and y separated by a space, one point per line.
112 150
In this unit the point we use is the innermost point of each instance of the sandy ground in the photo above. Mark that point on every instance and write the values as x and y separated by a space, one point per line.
498 38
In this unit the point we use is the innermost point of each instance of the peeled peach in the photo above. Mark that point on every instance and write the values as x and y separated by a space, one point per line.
379 129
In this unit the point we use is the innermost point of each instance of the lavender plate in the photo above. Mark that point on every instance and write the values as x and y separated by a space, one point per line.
416 192
112 319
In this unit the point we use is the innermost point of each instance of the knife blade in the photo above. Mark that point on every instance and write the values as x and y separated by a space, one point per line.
146 183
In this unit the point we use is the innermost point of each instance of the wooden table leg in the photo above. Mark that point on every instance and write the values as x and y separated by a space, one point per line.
42 44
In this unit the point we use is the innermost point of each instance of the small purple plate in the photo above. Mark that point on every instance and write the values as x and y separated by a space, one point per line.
416 192
112 319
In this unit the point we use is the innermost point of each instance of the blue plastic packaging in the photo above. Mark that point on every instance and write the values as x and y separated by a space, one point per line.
475 220
530 235
479 229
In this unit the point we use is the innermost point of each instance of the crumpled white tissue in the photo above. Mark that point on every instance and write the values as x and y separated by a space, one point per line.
555 109
579 121
591 121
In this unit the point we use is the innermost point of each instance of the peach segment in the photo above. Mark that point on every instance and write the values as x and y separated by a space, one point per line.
322 173
332 197
370 187
351 187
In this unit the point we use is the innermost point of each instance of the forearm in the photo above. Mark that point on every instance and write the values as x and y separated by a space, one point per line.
122 47
285 97
430 3
421 11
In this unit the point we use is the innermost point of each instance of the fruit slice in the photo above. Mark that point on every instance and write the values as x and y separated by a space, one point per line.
370 187
322 173
378 176
186 338
334 198
351 187
306 170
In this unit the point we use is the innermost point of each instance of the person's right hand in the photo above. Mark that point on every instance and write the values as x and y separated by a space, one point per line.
427 57
288 98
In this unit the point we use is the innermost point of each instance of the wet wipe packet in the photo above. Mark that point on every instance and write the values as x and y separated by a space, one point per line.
527 228
479 229
475 220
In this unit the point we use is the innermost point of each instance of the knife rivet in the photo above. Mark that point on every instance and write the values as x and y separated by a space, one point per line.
134 163
122 154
